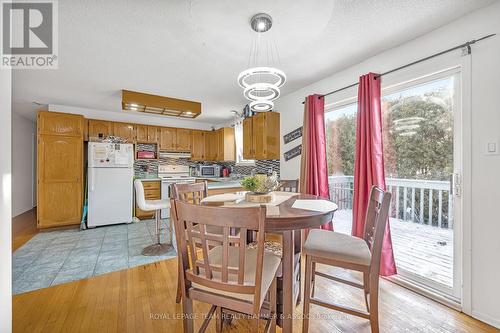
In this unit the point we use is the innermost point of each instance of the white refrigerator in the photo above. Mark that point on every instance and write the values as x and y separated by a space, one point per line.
110 183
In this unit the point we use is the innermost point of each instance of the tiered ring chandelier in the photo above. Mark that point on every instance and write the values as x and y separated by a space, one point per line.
261 84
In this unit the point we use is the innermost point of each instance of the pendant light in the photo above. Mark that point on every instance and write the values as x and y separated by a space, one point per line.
261 84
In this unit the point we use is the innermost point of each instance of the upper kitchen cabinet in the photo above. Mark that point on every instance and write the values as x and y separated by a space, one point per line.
168 139
226 146
211 148
183 139
146 134
197 145
56 123
99 129
59 169
125 131
247 139
261 138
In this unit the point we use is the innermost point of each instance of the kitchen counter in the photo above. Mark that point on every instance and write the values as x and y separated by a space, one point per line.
220 183
149 179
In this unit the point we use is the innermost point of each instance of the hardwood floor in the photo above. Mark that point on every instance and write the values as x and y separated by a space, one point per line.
142 299
23 228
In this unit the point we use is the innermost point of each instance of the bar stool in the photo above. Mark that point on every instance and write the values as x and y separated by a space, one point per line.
153 205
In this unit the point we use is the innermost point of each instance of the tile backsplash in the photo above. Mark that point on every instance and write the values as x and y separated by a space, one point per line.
150 168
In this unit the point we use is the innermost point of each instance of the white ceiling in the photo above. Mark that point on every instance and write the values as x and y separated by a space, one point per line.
195 49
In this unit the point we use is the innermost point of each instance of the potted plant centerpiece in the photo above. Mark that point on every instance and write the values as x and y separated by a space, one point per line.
259 187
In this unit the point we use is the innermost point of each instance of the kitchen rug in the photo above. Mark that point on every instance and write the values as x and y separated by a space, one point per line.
54 257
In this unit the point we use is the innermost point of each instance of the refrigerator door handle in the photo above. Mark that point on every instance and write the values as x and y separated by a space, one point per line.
91 180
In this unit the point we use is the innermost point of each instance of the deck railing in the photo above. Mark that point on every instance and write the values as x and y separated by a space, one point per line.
416 200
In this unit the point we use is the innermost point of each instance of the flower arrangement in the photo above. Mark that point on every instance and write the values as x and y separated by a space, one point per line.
260 184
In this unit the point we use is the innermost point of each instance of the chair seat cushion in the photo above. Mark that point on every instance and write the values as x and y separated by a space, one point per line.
150 205
337 246
270 265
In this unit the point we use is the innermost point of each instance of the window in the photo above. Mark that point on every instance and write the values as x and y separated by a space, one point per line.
238 137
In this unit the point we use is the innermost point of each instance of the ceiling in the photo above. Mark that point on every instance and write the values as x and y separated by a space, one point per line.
195 49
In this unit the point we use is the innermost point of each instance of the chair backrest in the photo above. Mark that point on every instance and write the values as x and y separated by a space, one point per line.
375 224
191 223
140 197
289 185
192 193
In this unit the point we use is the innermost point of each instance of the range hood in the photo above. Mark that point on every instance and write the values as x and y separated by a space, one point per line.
167 154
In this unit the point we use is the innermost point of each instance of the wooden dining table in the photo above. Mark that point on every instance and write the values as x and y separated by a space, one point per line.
282 218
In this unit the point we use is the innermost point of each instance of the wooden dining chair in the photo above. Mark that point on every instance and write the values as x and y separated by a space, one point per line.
192 193
229 276
291 185
353 253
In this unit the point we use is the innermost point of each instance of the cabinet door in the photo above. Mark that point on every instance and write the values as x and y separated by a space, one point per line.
183 139
248 139
211 146
197 145
99 129
168 138
227 145
56 123
124 130
259 133
272 135
141 133
60 173
153 136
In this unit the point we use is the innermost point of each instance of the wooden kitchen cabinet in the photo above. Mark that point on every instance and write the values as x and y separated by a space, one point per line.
226 145
99 129
59 169
124 130
247 139
146 134
152 191
211 146
183 139
261 138
56 123
197 145
168 138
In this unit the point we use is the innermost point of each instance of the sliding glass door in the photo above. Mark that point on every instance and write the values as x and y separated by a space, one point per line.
421 132
421 151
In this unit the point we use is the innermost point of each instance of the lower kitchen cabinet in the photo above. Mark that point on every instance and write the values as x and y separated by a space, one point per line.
152 191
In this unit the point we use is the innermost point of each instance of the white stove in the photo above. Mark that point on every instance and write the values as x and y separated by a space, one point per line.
172 174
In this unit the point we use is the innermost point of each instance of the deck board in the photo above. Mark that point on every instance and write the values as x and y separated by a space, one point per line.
417 248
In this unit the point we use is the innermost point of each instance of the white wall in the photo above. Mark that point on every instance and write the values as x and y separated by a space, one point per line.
23 164
483 78
5 203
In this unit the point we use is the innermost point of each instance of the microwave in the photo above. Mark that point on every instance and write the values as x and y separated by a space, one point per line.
209 170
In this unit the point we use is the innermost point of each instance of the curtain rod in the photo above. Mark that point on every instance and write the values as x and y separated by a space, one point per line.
461 46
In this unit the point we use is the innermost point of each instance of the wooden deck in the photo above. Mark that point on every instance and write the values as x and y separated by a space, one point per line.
419 249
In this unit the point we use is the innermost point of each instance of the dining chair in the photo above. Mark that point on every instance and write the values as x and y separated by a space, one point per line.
352 253
192 193
289 185
230 276
153 205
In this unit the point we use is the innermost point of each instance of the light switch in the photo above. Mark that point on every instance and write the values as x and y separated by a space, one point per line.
492 148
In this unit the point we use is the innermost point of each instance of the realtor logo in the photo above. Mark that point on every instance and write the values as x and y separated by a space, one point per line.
29 34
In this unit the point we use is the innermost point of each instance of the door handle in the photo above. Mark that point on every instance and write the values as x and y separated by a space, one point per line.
91 180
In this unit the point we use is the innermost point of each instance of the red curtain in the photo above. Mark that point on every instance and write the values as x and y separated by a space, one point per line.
314 168
369 162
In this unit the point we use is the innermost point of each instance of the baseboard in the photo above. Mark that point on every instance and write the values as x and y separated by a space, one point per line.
486 319
25 210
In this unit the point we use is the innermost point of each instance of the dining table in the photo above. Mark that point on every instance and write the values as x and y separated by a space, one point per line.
287 214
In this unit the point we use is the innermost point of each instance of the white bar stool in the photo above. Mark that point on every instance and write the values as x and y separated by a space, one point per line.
153 205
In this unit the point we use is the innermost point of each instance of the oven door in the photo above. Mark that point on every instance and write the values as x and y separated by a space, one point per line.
165 195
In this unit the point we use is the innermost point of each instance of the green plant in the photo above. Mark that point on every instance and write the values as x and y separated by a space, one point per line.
250 183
